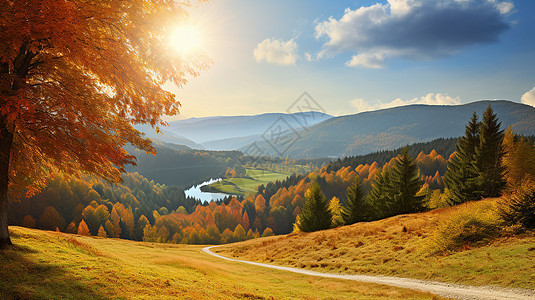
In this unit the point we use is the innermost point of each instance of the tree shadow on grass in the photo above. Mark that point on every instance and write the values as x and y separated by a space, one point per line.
23 278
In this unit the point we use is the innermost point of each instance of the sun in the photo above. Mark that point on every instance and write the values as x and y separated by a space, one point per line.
186 39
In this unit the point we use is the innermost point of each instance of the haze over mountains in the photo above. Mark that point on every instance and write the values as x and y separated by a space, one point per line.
327 136
229 132
396 127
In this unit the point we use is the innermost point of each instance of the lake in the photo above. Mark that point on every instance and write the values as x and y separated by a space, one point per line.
195 192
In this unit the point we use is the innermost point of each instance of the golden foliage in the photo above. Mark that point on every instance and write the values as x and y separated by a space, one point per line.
74 77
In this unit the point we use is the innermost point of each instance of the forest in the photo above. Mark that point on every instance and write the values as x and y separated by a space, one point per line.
361 188
140 209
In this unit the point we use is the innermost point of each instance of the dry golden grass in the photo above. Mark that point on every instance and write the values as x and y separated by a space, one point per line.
401 246
51 265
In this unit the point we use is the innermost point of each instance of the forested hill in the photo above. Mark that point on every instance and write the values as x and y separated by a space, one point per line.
180 166
392 128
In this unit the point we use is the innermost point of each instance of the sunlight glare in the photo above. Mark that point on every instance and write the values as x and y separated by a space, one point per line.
186 40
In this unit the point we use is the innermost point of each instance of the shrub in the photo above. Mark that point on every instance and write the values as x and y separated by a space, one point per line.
472 225
519 207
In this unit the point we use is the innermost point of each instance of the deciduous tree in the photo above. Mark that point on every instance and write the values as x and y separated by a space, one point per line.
74 76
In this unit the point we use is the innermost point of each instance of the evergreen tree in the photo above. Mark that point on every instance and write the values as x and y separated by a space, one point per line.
354 211
489 155
519 208
336 212
378 195
461 173
404 184
394 191
315 214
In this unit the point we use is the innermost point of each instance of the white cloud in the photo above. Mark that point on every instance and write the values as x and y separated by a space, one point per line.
276 51
529 97
361 105
412 29
368 60
308 57
430 99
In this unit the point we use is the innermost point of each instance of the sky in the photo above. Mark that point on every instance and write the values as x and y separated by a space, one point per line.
355 56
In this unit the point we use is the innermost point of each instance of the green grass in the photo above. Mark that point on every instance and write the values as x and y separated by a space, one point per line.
52 265
248 184
400 246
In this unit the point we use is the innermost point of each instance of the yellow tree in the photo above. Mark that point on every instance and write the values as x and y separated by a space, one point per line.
519 160
75 76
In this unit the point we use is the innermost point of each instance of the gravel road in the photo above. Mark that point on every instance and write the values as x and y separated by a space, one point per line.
448 290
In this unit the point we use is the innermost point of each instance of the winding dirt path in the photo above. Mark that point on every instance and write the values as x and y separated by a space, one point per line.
449 290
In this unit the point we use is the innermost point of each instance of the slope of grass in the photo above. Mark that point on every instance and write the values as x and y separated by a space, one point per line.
400 246
246 185
51 265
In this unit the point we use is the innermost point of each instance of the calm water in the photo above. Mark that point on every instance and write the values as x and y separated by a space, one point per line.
195 192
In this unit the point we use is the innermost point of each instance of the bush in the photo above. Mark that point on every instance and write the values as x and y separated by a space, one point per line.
473 225
519 207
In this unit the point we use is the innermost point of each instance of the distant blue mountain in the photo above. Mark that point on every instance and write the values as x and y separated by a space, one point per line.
233 132
392 128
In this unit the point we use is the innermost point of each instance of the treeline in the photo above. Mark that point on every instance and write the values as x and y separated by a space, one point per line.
183 167
443 146
486 164
140 209
123 211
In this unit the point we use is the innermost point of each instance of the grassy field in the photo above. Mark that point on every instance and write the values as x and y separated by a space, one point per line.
399 246
52 265
247 185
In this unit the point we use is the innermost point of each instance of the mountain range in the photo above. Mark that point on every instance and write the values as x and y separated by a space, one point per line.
317 135
229 132
391 128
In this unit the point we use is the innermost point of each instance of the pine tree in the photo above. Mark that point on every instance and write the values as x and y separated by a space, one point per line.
315 214
489 155
404 184
519 208
461 173
394 190
378 195
355 210
336 212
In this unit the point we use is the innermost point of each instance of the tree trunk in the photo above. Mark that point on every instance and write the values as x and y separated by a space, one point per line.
6 140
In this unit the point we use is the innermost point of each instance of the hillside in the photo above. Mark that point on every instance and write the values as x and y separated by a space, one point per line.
51 265
181 166
396 127
401 246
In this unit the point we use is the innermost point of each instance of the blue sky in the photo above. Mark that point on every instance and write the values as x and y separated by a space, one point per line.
353 56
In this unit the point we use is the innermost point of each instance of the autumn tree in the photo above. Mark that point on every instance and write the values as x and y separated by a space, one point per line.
519 160
102 232
83 229
336 212
74 78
